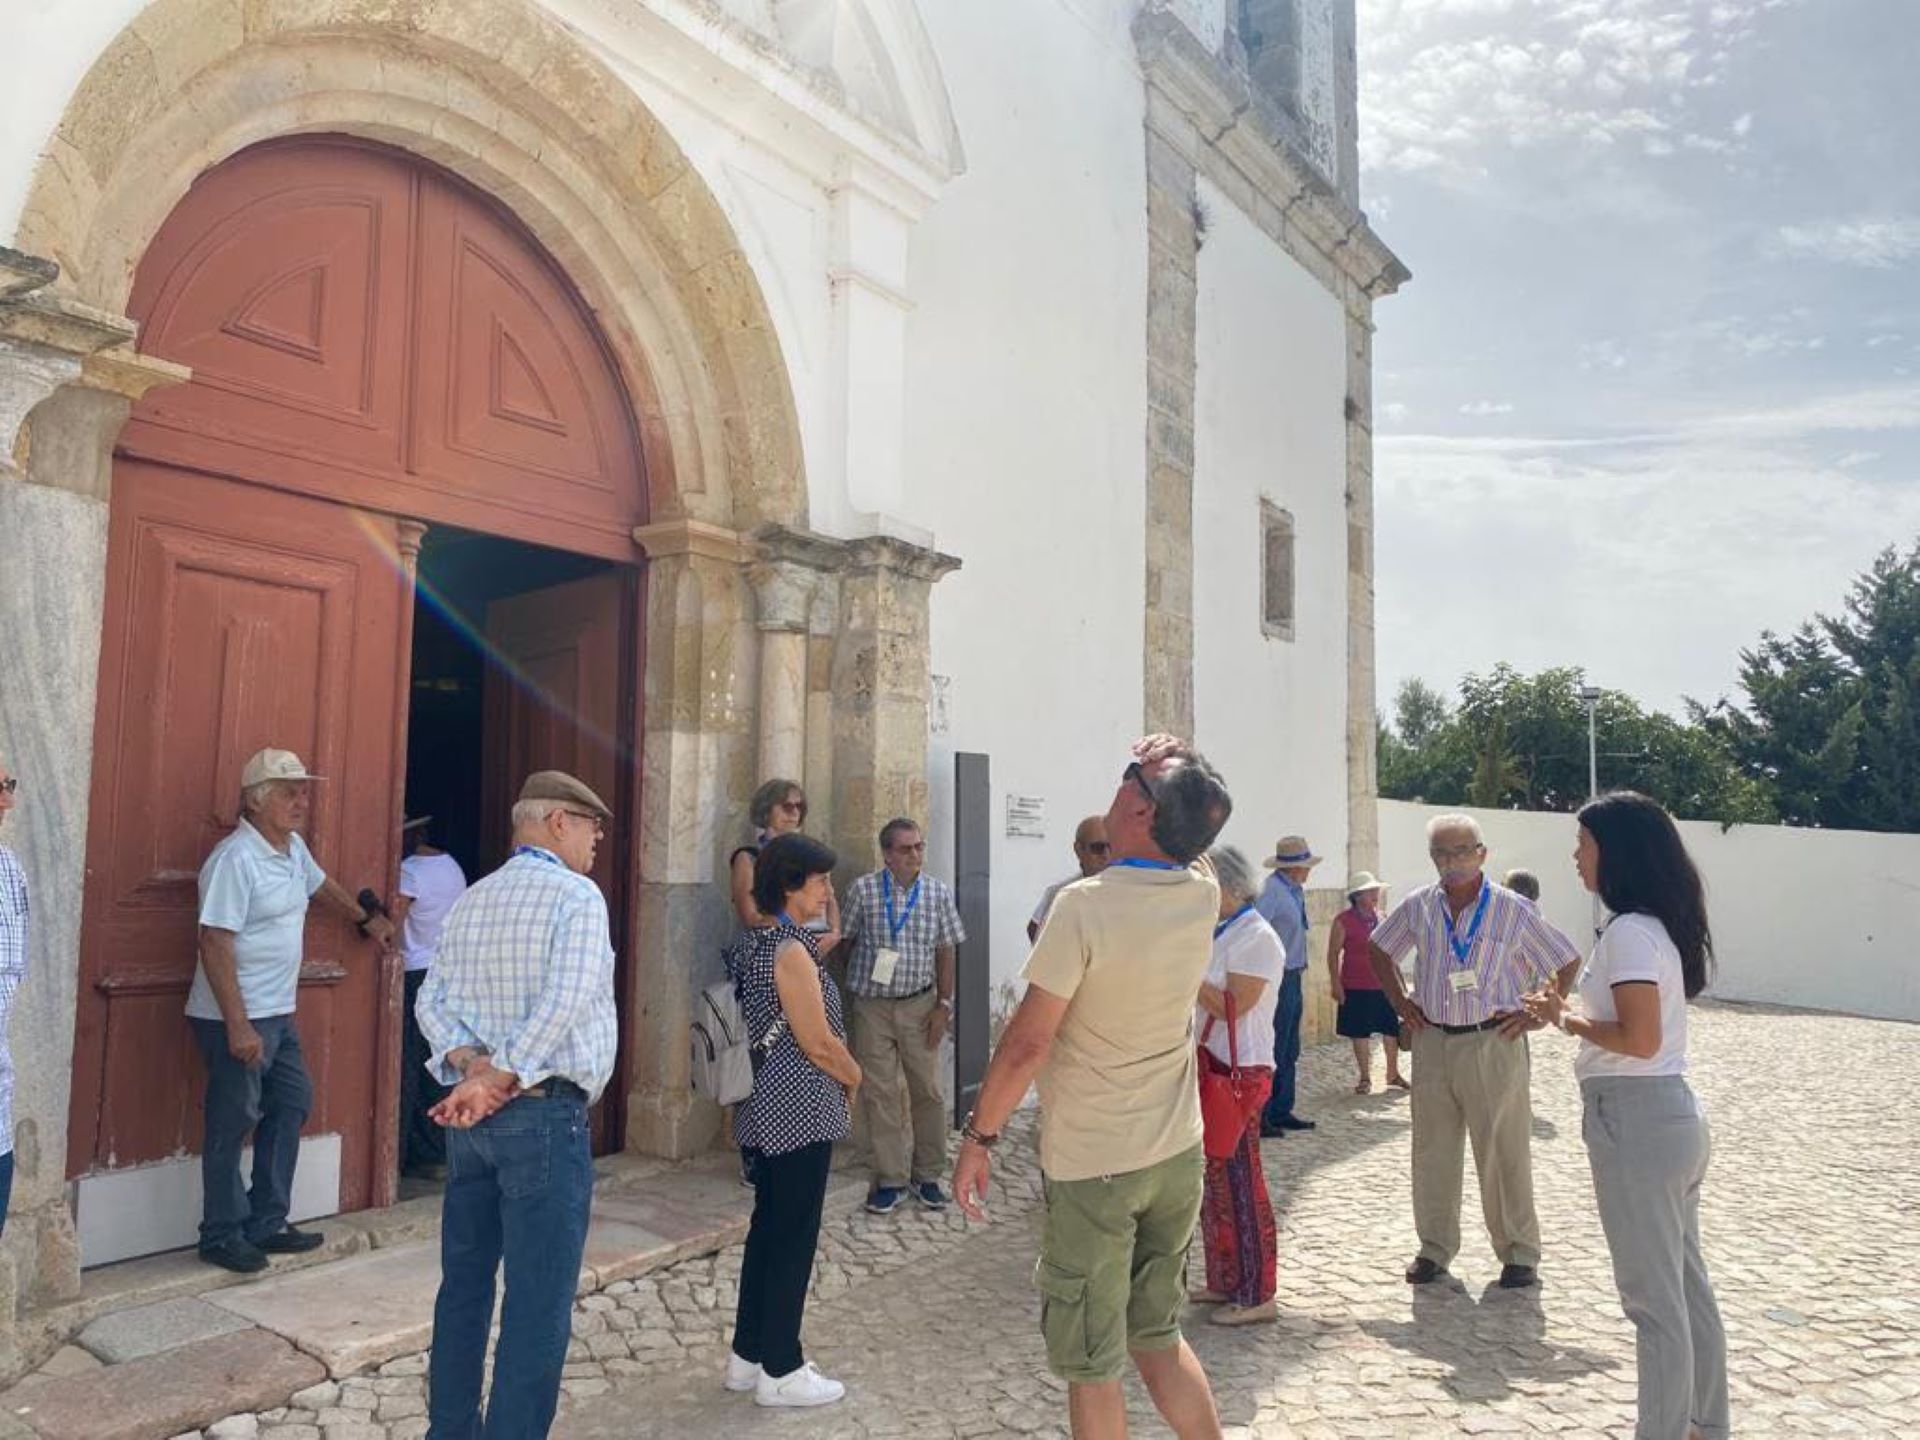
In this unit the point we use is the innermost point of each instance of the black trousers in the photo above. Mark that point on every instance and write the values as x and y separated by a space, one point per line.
421 1141
778 1266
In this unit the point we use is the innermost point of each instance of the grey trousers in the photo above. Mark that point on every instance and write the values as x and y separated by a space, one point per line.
1649 1143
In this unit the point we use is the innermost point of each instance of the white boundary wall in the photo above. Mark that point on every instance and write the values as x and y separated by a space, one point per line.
1826 919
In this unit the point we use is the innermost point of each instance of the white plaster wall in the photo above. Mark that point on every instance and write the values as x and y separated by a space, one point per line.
1825 919
1270 423
1026 404
52 44
1205 18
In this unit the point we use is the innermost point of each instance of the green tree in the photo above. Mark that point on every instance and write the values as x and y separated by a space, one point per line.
1831 721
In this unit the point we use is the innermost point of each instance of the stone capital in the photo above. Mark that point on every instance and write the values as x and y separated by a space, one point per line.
669 538
899 557
783 591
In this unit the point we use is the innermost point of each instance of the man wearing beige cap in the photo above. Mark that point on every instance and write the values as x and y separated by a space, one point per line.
1284 904
518 1010
254 891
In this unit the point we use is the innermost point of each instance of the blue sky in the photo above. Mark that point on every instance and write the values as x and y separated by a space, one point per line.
1655 385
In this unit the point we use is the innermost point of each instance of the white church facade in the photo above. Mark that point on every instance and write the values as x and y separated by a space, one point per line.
684 392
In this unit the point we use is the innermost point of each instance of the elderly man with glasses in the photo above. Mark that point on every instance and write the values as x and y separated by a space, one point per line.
254 890
1479 949
518 1009
13 969
900 927
1106 1028
1090 849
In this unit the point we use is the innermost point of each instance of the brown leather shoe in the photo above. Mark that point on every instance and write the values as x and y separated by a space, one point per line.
1424 1271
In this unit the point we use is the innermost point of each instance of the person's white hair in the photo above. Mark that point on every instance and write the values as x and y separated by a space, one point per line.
1467 823
255 796
534 812
1235 873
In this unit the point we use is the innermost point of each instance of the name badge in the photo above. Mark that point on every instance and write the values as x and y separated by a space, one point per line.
884 962
1460 980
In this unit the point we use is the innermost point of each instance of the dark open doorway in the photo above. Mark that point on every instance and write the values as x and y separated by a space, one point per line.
522 660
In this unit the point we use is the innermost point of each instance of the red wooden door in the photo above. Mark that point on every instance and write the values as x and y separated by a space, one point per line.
218 644
555 701
370 339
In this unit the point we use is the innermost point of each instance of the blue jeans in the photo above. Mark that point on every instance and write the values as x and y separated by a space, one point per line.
271 1100
6 1188
1286 1047
519 1186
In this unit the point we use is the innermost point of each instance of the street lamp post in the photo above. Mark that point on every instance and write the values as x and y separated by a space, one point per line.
1590 697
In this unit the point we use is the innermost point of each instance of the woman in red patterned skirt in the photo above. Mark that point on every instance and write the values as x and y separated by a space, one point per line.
1236 1217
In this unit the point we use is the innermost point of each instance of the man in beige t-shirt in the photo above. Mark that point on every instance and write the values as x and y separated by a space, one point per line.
1106 1028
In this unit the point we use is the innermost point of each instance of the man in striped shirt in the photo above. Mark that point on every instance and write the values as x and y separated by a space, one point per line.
1479 948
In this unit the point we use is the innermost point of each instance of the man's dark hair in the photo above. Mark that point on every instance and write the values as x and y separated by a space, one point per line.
784 865
1191 806
892 828
1645 870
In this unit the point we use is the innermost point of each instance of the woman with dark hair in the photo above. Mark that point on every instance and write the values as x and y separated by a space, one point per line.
804 1082
1647 1139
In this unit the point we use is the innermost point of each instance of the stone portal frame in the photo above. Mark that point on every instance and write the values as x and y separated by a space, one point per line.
503 95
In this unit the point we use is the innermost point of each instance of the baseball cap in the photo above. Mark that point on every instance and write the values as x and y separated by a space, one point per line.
271 764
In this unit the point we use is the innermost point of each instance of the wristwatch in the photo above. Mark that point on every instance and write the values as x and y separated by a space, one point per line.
973 1133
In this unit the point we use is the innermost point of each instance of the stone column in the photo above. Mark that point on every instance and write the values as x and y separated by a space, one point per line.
1363 810
784 594
880 682
67 381
1173 248
698 748
819 778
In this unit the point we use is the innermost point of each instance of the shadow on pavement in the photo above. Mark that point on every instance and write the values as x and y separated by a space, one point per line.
1485 1343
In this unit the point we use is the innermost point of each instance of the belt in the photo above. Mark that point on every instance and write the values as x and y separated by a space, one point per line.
555 1088
897 998
1494 1024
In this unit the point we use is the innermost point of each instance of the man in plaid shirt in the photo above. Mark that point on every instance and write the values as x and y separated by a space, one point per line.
13 969
899 928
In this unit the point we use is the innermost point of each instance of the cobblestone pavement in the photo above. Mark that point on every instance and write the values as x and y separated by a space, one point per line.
1809 1225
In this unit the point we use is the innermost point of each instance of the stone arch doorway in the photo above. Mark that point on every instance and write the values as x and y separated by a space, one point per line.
378 352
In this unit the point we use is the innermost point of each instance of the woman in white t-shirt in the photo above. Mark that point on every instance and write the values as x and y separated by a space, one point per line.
1236 1217
1646 1137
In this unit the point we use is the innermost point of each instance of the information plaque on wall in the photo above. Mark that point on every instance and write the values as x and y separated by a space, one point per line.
1026 817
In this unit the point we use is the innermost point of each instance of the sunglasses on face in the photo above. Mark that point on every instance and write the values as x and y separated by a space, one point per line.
1138 776
797 807
1097 847
918 848
599 825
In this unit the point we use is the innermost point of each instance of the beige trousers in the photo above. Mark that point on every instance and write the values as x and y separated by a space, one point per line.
1473 1087
900 1089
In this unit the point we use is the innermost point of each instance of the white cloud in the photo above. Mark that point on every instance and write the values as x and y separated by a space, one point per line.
1479 409
1449 84
1876 244
1395 411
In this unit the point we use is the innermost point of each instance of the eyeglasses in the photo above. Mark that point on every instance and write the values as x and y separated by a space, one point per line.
9 785
1454 852
1138 776
599 822
919 847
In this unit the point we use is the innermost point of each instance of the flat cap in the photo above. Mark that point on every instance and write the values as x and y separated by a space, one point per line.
558 785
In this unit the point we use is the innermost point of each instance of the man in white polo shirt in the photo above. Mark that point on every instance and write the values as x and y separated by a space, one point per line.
254 889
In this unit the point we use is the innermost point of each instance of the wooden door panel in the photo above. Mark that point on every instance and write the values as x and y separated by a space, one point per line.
236 618
512 378
281 279
554 702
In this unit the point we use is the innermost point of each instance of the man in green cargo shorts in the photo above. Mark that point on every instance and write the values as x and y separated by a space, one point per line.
1106 1030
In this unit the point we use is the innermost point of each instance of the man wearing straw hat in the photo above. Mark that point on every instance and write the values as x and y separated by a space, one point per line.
1284 904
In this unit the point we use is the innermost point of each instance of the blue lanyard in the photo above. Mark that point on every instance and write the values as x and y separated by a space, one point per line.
787 920
1462 949
894 927
539 854
1133 863
1221 927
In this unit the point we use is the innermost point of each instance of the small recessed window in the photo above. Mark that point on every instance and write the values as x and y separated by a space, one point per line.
1276 571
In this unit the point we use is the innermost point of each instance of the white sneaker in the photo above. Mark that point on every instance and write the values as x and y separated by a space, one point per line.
742 1375
804 1387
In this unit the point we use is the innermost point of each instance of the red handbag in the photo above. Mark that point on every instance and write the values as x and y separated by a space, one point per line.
1229 1097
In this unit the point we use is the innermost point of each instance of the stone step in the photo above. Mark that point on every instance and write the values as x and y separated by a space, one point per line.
181 1389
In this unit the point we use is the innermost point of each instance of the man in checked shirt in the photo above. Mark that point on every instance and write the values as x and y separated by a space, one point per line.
518 1010
1480 948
